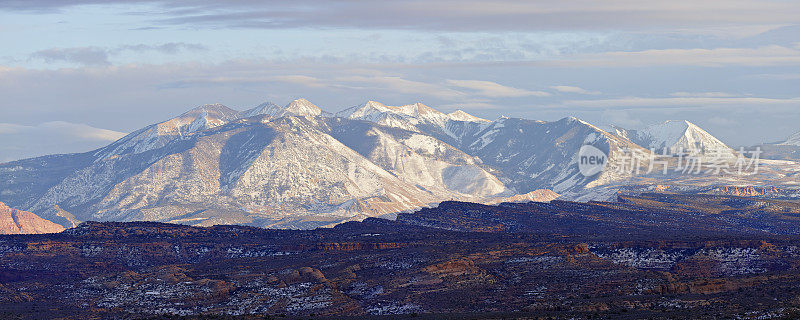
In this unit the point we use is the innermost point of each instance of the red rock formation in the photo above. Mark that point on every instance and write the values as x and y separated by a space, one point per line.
353 246
748 191
14 221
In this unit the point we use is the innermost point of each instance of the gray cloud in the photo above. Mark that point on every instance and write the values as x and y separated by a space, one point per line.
166 48
702 101
458 15
96 56
573 89
90 56
494 89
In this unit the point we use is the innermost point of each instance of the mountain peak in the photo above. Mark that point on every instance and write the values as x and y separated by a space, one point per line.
199 118
679 135
678 124
265 108
373 103
298 107
460 115
214 110
302 107
376 112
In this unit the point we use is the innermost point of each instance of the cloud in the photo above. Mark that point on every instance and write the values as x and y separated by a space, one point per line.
762 56
696 102
75 130
90 56
454 15
307 81
166 48
702 94
572 89
400 85
621 118
722 121
472 105
22 141
96 56
494 90
130 96
773 76
80 131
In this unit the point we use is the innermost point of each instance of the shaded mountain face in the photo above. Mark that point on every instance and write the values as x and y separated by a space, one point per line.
298 167
535 154
22 222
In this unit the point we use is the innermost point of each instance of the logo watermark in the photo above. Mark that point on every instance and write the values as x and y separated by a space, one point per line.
591 160
627 161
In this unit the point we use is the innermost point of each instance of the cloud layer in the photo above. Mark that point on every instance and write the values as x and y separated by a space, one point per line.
21 141
455 15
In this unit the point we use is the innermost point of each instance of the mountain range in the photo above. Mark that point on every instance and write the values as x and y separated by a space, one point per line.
297 166
788 149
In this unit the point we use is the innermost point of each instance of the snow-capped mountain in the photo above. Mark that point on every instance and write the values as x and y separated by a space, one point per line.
406 117
299 107
788 149
674 136
414 117
285 166
158 135
543 154
460 115
297 166
793 140
524 154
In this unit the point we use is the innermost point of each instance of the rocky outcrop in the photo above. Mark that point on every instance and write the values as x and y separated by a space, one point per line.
14 221
540 195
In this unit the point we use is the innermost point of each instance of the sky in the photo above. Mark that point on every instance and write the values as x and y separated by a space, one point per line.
78 74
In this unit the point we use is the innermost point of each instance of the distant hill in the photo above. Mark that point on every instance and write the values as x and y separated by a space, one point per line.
22 222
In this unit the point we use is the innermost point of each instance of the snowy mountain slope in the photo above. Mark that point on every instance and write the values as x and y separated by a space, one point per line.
160 134
414 117
392 116
675 135
419 159
530 155
524 154
299 107
294 170
23 182
460 115
251 172
793 140
788 149
297 166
